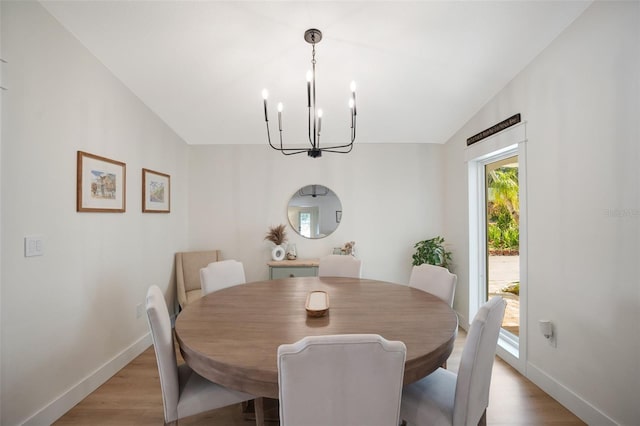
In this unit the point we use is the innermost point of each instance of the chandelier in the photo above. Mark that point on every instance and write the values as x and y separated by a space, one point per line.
314 150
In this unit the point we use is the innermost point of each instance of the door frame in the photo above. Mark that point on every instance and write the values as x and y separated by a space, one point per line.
509 142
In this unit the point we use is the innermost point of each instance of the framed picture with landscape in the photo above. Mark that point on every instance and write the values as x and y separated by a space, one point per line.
100 184
156 192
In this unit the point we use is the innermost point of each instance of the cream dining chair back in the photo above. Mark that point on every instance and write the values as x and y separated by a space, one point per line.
184 392
219 275
349 379
435 280
188 265
337 265
444 398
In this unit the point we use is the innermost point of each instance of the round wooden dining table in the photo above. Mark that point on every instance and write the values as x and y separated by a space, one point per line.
231 336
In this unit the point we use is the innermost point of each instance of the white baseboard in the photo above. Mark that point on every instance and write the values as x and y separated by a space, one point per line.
565 396
59 406
463 321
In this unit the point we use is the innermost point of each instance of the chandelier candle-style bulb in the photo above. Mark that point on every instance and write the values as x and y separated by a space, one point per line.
280 116
319 121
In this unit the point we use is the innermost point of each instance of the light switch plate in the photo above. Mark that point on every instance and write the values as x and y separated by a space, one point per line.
33 245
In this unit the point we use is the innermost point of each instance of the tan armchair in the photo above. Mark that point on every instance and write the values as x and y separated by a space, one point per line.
188 265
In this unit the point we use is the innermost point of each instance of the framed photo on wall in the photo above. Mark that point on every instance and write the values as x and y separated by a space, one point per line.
101 184
156 192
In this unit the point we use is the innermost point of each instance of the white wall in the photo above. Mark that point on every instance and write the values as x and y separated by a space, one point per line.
1 233
581 101
72 312
391 198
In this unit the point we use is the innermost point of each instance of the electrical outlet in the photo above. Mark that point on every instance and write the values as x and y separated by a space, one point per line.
548 330
139 310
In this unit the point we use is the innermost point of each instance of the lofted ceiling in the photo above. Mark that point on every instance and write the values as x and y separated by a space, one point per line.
422 68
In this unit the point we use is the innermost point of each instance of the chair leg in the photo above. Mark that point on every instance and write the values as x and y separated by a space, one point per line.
483 419
258 403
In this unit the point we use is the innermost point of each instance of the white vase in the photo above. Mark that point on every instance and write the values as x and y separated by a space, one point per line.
277 253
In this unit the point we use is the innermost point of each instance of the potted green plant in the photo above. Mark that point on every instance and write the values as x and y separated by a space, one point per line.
433 252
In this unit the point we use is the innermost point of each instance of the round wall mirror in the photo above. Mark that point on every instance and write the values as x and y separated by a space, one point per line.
314 211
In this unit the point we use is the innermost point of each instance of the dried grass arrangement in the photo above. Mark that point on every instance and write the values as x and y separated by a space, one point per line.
277 234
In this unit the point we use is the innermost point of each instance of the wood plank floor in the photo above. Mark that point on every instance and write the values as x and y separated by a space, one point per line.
132 397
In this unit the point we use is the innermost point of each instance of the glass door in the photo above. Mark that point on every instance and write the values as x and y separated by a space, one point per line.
502 242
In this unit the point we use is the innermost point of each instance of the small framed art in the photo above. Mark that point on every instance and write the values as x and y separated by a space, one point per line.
101 184
156 192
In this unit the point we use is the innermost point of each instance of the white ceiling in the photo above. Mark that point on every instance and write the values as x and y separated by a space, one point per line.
422 68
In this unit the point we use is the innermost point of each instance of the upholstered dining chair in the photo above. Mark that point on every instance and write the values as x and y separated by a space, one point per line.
184 392
435 280
444 398
188 265
349 379
219 275
337 265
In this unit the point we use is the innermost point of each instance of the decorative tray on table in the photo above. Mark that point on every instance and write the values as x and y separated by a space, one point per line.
317 304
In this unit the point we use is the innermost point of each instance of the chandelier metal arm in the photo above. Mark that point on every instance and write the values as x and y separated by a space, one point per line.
353 128
285 151
347 145
338 151
337 148
309 126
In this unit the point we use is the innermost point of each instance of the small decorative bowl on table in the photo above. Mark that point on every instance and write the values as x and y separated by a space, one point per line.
317 304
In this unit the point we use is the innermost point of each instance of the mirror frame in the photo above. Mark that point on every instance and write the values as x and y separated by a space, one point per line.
323 216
